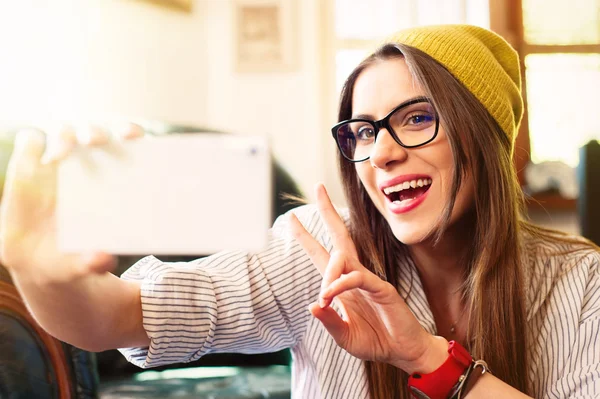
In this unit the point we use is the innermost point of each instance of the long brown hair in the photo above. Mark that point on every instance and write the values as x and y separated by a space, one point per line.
497 328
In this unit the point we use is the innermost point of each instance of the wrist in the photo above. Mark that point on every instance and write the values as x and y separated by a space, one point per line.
448 379
432 358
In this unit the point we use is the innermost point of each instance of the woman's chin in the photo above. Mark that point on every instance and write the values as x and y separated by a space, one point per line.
411 235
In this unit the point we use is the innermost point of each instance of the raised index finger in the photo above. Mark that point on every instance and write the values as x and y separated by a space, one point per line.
314 250
340 237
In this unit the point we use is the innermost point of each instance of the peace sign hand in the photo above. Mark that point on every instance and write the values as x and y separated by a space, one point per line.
375 323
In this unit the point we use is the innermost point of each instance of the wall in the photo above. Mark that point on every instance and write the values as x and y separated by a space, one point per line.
98 60
284 106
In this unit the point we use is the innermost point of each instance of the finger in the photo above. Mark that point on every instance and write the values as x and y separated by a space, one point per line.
363 280
59 144
129 131
24 184
23 164
335 225
92 135
315 251
335 268
333 323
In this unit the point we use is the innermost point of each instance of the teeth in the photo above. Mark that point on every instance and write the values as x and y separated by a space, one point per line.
407 184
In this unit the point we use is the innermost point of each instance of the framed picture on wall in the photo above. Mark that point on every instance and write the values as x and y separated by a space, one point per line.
265 36
182 5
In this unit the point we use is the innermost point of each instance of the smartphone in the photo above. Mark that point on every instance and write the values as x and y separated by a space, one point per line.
177 194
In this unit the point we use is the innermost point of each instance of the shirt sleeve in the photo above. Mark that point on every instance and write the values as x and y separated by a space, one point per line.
580 378
228 302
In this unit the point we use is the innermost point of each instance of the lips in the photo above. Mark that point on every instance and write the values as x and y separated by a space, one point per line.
406 192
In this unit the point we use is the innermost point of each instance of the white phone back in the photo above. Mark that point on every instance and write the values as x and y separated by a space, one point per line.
184 194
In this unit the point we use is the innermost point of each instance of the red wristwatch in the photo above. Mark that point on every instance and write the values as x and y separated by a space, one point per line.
441 383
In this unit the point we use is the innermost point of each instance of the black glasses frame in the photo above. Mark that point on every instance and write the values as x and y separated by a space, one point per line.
385 123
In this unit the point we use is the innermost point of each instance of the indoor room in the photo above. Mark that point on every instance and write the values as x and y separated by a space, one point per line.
299 198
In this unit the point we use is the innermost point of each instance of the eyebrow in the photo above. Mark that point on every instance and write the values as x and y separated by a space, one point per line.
370 117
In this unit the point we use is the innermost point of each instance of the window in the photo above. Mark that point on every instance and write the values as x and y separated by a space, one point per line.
361 25
563 92
560 48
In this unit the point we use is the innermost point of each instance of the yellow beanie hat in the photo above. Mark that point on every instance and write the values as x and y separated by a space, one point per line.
481 60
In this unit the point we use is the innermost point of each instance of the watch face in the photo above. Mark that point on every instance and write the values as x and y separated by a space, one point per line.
418 394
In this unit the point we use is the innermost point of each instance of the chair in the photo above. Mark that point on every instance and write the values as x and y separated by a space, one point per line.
588 174
32 363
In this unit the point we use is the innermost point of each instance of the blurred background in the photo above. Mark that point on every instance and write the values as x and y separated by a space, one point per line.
275 68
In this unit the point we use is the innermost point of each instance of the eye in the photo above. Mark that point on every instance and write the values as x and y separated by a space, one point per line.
365 132
419 119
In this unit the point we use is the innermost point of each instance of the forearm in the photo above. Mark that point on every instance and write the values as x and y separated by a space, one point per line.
488 386
94 312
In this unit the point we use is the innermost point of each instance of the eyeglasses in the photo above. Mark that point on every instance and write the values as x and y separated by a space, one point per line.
412 124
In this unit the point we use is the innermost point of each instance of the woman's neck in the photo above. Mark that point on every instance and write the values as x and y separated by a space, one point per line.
442 271
442 266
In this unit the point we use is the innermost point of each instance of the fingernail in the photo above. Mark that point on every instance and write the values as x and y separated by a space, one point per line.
26 136
321 303
318 188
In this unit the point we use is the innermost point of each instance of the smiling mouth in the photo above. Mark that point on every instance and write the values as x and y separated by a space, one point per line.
407 190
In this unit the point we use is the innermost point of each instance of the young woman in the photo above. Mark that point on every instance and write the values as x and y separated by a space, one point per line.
431 273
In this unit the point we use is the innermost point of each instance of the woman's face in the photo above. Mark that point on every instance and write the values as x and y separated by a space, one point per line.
424 173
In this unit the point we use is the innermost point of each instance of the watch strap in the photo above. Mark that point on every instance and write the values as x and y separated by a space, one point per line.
441 383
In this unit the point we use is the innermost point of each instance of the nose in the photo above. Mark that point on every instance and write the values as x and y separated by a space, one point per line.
386 151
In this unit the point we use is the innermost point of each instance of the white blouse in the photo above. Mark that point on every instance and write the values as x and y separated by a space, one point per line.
257 302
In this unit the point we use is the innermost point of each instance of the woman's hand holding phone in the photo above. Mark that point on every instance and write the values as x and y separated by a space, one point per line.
27 218
67 293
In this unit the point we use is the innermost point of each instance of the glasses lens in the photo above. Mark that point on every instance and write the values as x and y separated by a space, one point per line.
414 124
355 139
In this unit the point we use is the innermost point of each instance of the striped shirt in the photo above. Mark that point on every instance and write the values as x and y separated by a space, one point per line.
256 303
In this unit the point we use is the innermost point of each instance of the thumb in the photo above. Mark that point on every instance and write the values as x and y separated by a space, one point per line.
332 321
29 146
